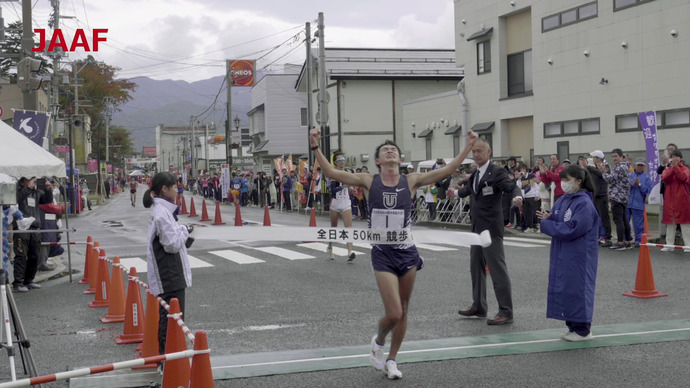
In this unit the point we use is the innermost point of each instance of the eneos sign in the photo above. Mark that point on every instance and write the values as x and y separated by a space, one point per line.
242 72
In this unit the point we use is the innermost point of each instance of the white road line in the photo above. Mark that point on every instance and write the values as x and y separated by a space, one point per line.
239 258
138 263
515 244
284 253
321 247
532 240
435 248
198 263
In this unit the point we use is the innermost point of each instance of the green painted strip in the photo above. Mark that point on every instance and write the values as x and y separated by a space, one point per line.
310 360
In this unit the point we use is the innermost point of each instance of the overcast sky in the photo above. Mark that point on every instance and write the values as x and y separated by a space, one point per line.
188 40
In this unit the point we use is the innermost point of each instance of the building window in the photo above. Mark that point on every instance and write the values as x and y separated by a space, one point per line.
484 57
622 4
520 73
428 147
628 123
303 117
675 118
570 16
580 127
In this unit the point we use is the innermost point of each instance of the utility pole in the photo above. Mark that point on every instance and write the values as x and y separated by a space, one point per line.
55 99
323 96
206 147
29 95
192 146
228 122
310 107
108 100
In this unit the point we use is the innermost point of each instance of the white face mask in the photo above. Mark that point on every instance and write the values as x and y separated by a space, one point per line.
570 187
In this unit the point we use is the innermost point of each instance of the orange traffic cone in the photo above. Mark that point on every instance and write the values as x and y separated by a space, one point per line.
116 307
646 226
149 347
103 283
134 314
176 372
218 220
204 212
184 206
312 218
201 375
89 249
267 217
644 284
238 215
192 210
93 269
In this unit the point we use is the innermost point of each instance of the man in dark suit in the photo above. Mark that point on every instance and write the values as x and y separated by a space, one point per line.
485 186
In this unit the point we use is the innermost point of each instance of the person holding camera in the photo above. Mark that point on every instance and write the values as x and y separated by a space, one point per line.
26 246
168 269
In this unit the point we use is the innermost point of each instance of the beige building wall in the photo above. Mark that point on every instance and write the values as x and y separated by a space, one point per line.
651 73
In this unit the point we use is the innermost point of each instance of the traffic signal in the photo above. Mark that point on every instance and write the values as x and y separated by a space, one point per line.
27 74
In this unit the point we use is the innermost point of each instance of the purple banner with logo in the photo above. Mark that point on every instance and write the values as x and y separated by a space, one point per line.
648 123
31 124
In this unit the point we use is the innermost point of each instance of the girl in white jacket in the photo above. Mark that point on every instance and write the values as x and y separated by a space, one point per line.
169 273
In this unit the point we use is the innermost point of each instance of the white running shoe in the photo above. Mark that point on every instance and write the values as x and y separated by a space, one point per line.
574 337
565 334
392 370
377 357
667 249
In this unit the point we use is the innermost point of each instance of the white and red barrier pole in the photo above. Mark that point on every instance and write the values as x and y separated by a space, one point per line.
684 247
102 368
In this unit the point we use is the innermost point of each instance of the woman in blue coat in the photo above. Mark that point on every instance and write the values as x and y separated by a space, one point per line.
573 224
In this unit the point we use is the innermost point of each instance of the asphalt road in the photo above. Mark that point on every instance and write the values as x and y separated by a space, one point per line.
292 307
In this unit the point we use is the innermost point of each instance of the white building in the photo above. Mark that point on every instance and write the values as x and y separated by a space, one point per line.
569 76
278 119
367 89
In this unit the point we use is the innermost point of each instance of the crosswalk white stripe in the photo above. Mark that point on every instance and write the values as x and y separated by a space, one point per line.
239 258
321 247
532 240
198 263
285 253
140 264
515 244
136 262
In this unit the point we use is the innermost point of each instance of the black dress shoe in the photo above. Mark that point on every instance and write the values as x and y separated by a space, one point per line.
470 312
499 320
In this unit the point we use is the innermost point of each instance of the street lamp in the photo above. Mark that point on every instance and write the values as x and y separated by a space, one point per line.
237 128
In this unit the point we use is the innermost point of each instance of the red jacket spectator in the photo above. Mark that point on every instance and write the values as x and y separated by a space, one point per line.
676 197
553 175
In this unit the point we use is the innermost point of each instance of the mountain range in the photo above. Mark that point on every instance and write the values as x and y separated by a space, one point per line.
173 102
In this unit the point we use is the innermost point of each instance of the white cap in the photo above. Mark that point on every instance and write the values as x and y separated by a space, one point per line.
597 153
410 165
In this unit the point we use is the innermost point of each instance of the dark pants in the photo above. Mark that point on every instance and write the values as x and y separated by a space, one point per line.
529 212
26 253
163 316
622 225
494 257
286 200
602 205
432 210
581 328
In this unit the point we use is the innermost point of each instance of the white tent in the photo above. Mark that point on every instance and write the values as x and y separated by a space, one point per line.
136 173
21 157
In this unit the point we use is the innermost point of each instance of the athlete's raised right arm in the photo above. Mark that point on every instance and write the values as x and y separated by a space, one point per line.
344 177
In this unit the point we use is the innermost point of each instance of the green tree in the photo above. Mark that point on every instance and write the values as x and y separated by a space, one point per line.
103 94
12 46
